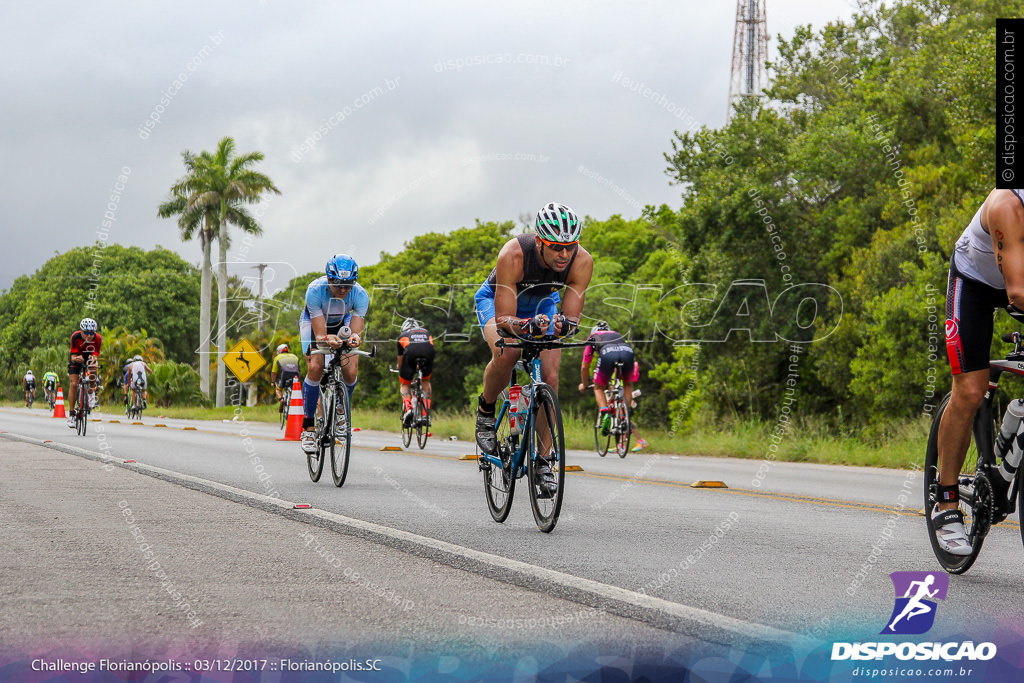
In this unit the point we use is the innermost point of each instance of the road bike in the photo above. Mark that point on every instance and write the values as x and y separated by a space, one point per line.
420 422
51 396
135 401
620 427
529 428
30 397
980 483
333 424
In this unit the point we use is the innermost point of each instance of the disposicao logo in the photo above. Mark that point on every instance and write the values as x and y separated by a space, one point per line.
913 614
916 592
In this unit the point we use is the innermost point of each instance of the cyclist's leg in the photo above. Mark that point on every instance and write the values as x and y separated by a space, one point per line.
499 369
969 327
314 372
955 429
74 368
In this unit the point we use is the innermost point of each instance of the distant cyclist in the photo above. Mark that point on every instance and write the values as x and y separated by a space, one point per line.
85 348
50 381
137 375
521 296
283 370
611 350
415 350
28 383
333 300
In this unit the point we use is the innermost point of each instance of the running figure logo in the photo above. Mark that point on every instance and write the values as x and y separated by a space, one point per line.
916 592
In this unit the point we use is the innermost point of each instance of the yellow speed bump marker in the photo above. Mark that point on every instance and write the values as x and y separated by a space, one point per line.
136 423
189 429
392 448
572 468
708 484
159 425
469 456
114 421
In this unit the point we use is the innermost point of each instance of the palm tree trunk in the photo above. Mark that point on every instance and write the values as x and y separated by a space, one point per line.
205 282
222 309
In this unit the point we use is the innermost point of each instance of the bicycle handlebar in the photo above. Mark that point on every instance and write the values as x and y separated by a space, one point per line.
345 350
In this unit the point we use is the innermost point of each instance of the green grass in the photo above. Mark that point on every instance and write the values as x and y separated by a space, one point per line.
899 445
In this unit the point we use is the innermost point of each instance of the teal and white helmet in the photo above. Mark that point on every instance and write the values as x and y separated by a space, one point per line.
558 223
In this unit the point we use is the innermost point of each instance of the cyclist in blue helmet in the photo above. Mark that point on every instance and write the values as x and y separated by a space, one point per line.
333 301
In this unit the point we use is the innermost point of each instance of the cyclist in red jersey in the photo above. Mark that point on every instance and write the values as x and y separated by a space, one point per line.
85 348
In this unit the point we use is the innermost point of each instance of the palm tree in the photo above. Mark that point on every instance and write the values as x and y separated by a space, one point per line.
222 183
193 222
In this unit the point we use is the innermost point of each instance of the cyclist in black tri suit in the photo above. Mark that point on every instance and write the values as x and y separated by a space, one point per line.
612 349
986 272
415 349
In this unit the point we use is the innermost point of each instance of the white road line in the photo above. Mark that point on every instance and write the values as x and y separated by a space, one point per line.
737 627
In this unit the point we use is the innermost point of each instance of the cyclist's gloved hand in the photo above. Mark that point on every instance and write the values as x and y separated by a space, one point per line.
564 327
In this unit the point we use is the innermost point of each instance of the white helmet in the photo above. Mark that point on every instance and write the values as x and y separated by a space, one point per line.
410 324
281 348
558 223
29 372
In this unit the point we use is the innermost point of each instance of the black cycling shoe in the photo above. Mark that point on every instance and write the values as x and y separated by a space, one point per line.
545 479
486 438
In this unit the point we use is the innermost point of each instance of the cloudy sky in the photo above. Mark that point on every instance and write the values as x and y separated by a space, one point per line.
379 120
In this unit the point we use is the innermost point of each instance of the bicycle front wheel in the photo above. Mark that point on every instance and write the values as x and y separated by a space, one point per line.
500 482
977 512
602 442
422 429
341 443
283 410
547 441
82 419
624 429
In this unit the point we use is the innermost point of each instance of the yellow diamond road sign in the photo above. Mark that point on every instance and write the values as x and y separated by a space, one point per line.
244 360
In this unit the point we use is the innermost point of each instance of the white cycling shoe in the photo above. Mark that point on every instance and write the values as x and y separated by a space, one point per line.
950 532
308 442
71 421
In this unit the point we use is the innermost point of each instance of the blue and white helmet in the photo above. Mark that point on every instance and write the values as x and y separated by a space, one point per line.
558 223
343 267
87 325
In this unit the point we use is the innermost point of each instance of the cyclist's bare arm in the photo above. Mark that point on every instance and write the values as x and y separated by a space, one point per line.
576 285
508 272
1003 216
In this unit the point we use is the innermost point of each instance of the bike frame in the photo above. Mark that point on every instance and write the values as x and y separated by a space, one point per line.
532 368
984 422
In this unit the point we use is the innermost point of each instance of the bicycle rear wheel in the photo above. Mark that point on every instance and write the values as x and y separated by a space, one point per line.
421 417
282 408
976 504
500 482
602 442
321 423
546 440
341 443
623 427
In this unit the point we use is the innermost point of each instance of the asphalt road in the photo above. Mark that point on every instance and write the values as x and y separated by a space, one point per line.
644 561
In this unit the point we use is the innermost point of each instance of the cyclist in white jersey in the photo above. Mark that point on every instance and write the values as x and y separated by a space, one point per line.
986 272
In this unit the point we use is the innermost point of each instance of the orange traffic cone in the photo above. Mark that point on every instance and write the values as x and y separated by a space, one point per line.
58 406
293 430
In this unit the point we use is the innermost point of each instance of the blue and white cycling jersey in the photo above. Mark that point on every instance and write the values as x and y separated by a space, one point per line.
337 312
